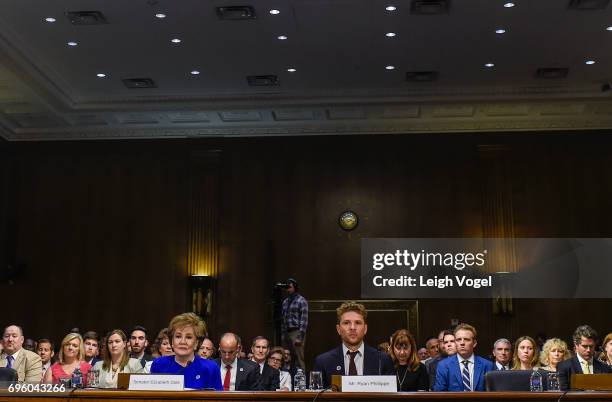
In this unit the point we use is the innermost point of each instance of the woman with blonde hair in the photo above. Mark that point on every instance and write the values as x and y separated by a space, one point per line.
70 357
185 331
606 354
410 372
115 360
554 352
525 355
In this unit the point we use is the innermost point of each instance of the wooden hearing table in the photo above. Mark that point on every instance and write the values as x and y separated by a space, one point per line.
143 396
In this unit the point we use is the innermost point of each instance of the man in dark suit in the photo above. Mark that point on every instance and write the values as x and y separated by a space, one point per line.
269 376
236 374
353 357
502 353
585 341
465 371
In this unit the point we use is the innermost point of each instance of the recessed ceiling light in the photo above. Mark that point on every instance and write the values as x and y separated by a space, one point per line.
390 67
500 31
609 28
589 62
274 12
72 43
509 5
195 72
390 34
100 75
175 40
489 65
390 8
291 70
160 15
282 37
50 19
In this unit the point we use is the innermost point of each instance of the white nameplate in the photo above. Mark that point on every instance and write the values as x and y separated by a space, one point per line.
369 383
156 382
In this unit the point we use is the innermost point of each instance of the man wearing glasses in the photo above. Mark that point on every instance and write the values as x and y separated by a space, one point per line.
236 374
585 342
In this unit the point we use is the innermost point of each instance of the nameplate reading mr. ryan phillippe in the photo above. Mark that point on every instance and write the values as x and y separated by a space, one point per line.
369 383
156 382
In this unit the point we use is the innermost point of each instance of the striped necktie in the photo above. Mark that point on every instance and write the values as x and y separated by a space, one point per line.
465 376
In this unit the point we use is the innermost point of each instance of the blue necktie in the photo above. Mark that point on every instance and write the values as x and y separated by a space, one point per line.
465 376
9 361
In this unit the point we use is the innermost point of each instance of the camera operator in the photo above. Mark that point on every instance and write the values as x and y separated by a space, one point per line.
295 322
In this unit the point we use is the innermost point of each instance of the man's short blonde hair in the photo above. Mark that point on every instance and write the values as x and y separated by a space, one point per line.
465 327
351 306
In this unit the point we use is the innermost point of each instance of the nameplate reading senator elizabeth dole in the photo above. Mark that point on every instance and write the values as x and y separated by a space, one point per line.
156 382
369 383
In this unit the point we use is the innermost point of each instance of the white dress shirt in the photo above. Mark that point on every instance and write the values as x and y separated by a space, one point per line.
233 372
358 359
470 368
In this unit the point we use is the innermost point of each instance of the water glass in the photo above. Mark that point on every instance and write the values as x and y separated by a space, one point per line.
66 381
316 380
93 378
552 382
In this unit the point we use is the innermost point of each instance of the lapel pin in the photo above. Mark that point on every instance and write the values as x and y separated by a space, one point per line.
338 368
241 369
198 377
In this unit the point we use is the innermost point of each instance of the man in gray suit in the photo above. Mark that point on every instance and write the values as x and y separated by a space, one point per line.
27 364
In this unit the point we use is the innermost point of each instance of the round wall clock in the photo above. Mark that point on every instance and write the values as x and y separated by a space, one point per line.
348 220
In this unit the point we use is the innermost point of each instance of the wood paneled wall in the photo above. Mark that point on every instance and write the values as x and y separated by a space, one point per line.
102 227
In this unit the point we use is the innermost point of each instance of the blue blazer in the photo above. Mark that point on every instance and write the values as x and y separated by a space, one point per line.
448 374
332 362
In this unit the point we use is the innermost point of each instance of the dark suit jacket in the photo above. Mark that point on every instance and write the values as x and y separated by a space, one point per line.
332 362
448 375
270 378
247 375
572 366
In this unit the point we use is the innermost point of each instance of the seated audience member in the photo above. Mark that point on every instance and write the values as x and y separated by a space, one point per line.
606 354
384 347
432 344
46 353
71 355
116 360
423 354
269 377
353 356
585 342
161 347
276 360
465 371
207 349
238 374
525 354
410 372
138 345
30 344
447 348
26 363
91 343
502 353
184 331
287 357
554 352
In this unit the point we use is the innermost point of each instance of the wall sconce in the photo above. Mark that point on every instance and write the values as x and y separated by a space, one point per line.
201 291
502 296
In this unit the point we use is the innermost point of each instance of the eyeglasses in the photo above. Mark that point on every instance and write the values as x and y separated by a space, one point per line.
274 359
228 352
